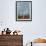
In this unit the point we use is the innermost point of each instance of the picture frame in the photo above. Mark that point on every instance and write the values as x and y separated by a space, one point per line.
23 10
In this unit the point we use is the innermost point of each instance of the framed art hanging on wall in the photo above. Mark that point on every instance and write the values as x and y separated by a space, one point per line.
23 10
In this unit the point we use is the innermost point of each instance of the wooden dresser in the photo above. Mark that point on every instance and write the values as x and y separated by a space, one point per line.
11 40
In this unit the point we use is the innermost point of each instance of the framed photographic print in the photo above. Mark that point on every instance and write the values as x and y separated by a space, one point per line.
23 10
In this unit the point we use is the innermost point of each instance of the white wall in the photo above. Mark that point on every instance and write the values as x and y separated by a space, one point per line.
39 18
31 29
7 18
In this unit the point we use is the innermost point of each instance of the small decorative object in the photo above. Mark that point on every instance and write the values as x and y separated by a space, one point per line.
23 10
8 31
19 32
15 33
29 44
4 32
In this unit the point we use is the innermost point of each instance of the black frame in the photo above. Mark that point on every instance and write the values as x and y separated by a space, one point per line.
31 11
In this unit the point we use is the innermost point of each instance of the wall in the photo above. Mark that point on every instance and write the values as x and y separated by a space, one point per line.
32 29
7 19
39 18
